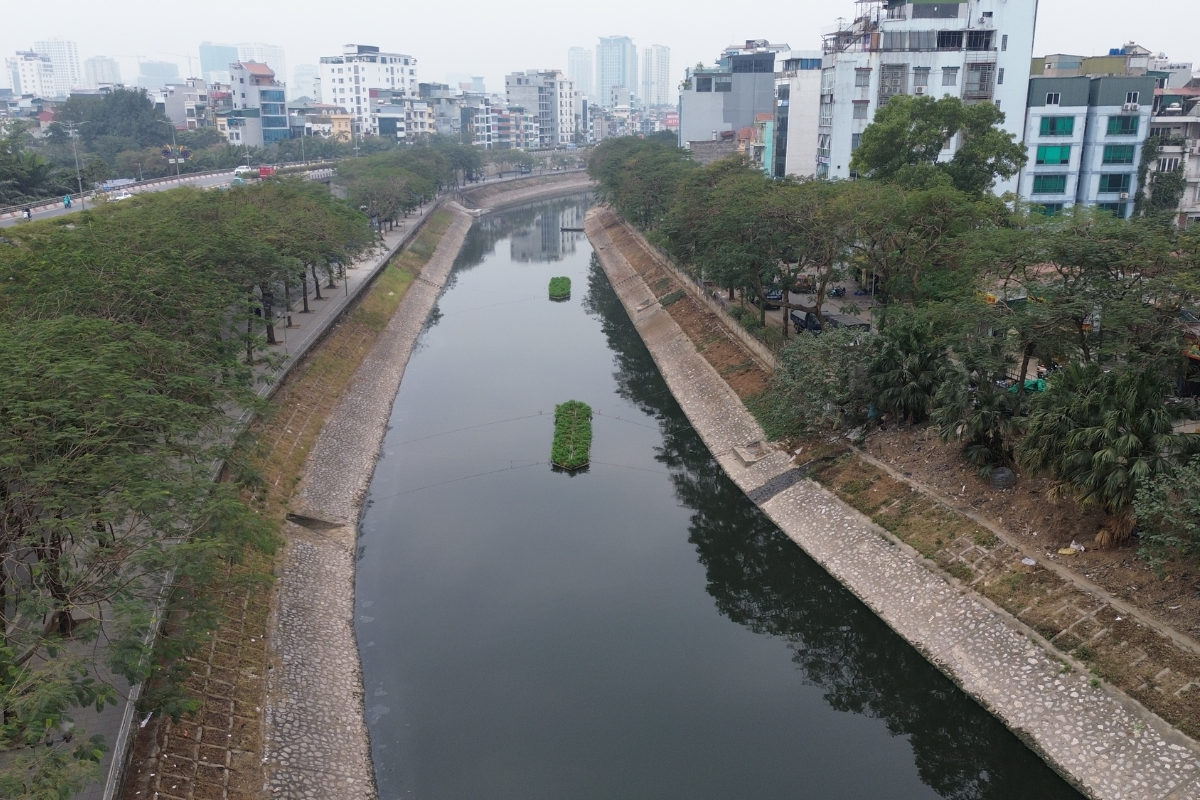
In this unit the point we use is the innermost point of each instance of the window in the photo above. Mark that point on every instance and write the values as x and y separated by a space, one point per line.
922 41
1132 97
1000 76
949 40
1053 98
855 141
1050 209
1122 126
980 81
860 110
1004 43
1058 126
723 83
704 83
935 10
1118 154
893 80
949 76
1114 184
895 40
1169 164
862 77
1116 208
979 40
921 76
1054 155
1049 184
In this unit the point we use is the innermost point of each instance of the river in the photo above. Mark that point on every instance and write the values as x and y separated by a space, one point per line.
637 630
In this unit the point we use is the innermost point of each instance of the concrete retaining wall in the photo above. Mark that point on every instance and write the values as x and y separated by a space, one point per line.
1103 743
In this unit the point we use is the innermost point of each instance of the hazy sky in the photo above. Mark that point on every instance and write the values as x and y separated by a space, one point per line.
493 38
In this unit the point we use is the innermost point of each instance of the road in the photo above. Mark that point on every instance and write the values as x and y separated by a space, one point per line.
203 182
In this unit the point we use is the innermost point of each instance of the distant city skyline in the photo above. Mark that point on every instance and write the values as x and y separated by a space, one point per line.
131 30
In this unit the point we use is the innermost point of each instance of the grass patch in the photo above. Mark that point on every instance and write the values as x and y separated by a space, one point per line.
560 288
673 297
572 435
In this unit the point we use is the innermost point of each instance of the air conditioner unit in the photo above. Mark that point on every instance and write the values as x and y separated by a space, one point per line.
1124 195
1131 107
918 90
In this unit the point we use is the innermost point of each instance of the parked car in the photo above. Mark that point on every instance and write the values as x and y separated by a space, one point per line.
807 321
774 298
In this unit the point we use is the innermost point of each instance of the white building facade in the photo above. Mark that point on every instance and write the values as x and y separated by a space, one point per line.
656 76
259 114
31 73
347 80
979 51
798 100
616 65
64 55
101 71
580 62
549 95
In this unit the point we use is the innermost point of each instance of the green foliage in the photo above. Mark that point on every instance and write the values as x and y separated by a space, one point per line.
908 368
560 288
572 435
120 345
123 114
25 175
821 384
905 141
1167 510
1105 434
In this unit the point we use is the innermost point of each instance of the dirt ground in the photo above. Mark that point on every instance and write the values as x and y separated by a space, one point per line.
735 365
1036 520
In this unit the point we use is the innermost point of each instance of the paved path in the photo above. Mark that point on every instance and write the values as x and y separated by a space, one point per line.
317 744
1109 747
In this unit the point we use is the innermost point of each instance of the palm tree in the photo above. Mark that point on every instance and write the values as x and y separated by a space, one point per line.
908 369
1105 434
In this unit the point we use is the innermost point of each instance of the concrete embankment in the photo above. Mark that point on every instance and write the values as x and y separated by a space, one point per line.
316 739
499 195
1106 745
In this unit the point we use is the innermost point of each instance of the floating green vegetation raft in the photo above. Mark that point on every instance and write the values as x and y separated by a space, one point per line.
560 288
572 435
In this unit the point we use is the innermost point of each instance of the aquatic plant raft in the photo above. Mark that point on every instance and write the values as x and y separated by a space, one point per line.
560 288
572 435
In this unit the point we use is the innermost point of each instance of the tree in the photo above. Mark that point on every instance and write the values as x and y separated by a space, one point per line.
24 175
907 369
127 114
1103 435
907 138
1167 510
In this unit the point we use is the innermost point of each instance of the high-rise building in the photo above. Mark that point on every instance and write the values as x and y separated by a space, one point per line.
580 61
269 54
656 75
549 94
99 70
64 55
797 100
980 52
616 65
306 82
215 60
31 73
157 74
347 80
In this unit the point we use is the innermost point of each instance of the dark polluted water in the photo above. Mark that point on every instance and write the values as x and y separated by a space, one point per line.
640 630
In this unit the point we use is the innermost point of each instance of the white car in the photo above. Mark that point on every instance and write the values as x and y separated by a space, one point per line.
245 171
122 195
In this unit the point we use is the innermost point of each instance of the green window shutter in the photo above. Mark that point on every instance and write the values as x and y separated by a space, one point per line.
1122 126
1049 184
1054 154
1118 154
1112 184
1058 126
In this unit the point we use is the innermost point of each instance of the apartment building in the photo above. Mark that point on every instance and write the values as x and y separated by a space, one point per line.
979 51
656 89
257 115
797 101
186 104
517 129
101 71
616 65
31 73
347 80
580 62
549 94
64 55
720 101
1175 128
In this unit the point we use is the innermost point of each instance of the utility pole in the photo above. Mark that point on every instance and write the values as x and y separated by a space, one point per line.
72 127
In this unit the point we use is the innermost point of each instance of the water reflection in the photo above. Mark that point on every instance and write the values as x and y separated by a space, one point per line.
762 580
